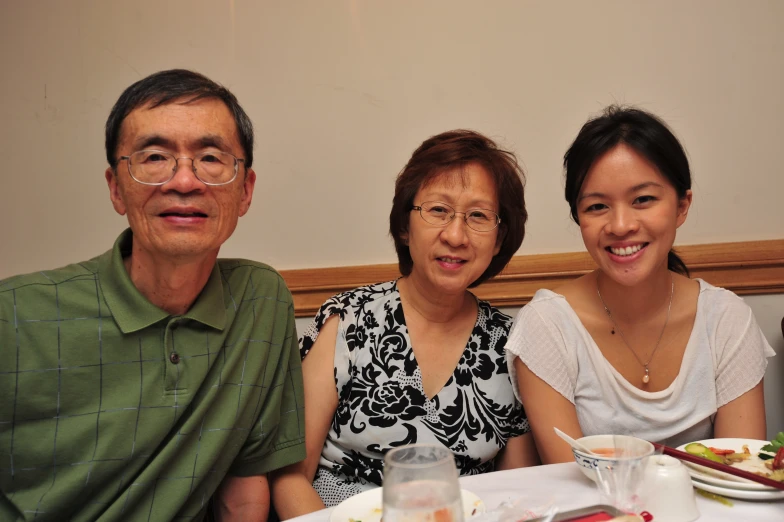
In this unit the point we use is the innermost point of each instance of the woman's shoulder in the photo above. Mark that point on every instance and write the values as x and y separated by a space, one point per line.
492 316
549 319
360 297
718 301
349 306
546 305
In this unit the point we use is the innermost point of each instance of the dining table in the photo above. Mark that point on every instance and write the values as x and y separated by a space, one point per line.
566 487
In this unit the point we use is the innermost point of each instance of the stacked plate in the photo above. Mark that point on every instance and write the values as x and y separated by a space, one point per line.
729 485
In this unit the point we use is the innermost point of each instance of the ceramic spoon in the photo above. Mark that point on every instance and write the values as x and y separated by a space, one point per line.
573 443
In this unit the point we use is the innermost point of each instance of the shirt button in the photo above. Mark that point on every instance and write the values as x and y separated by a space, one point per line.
174 357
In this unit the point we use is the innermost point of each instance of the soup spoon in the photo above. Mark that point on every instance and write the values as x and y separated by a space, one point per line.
579 446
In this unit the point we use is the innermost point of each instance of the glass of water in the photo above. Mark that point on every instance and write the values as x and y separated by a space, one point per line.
420 485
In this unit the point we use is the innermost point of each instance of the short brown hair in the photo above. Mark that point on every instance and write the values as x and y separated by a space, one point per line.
455 149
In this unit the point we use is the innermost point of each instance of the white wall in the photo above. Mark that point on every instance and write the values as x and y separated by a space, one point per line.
769 309
342 91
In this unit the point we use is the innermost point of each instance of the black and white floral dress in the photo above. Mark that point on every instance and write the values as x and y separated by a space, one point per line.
381 401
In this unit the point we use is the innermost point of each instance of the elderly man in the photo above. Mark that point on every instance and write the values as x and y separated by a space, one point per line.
140 383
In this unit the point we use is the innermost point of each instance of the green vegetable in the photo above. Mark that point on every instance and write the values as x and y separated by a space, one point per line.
775 444
695 448
714 496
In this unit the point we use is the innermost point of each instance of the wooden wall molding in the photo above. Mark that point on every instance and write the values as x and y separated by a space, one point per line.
750 268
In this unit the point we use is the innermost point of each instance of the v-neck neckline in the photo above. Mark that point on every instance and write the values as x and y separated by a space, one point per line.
623 381
417 371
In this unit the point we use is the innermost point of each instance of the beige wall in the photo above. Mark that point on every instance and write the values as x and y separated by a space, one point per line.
342 91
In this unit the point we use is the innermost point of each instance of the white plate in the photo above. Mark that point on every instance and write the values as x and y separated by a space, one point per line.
742 494
367 507
725 480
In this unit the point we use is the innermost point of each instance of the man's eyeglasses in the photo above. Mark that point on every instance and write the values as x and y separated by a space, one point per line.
441 214
155 167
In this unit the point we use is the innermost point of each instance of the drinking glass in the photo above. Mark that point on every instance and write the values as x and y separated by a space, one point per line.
420 485
620 481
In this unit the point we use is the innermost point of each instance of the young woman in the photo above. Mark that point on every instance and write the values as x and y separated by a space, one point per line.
418 359
636 346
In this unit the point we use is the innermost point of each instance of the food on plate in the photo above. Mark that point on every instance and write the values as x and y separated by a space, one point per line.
773 454
777 466
719 451
701 450
772 468
778 461
714 496
770 451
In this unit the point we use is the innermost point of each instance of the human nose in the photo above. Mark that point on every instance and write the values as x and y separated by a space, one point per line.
623 221
184 179
455 233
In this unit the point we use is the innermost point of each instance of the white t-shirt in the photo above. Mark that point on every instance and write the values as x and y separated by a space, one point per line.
725 357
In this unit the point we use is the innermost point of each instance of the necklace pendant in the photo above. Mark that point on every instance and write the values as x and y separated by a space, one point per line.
646 378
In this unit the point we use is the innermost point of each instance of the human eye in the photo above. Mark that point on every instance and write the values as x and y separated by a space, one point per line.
642 200
151 157
477 214
436 209
212 157
595 207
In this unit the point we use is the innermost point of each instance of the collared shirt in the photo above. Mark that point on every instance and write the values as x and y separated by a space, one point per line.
113 409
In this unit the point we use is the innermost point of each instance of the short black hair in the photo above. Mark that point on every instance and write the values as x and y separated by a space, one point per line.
642 131
165 87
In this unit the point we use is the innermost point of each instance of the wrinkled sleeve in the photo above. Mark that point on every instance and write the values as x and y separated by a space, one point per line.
278 436
333 305
541 345
740 350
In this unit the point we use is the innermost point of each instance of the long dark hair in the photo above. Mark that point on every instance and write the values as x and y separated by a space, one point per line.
648 135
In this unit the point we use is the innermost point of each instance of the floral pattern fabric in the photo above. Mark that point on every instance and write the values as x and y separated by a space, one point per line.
381 400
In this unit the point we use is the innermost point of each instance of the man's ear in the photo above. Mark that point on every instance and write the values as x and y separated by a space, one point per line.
248 184
115 194
684 204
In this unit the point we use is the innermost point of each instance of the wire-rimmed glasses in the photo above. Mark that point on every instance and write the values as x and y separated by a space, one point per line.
156 167
440 214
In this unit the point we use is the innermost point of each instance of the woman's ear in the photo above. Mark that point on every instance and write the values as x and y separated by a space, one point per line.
684 204
499 239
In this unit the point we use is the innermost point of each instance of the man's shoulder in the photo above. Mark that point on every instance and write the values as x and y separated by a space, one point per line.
254 276
85 270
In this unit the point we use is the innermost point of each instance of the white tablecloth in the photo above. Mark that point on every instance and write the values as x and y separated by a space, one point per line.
565 485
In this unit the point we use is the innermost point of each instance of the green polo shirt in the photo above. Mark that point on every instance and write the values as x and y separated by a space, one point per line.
113 409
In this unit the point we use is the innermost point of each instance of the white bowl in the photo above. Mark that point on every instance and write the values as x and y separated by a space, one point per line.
588 463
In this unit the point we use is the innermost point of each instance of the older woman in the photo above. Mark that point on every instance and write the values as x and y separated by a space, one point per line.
418 359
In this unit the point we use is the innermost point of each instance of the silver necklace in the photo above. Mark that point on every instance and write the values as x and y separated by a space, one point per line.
647 377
